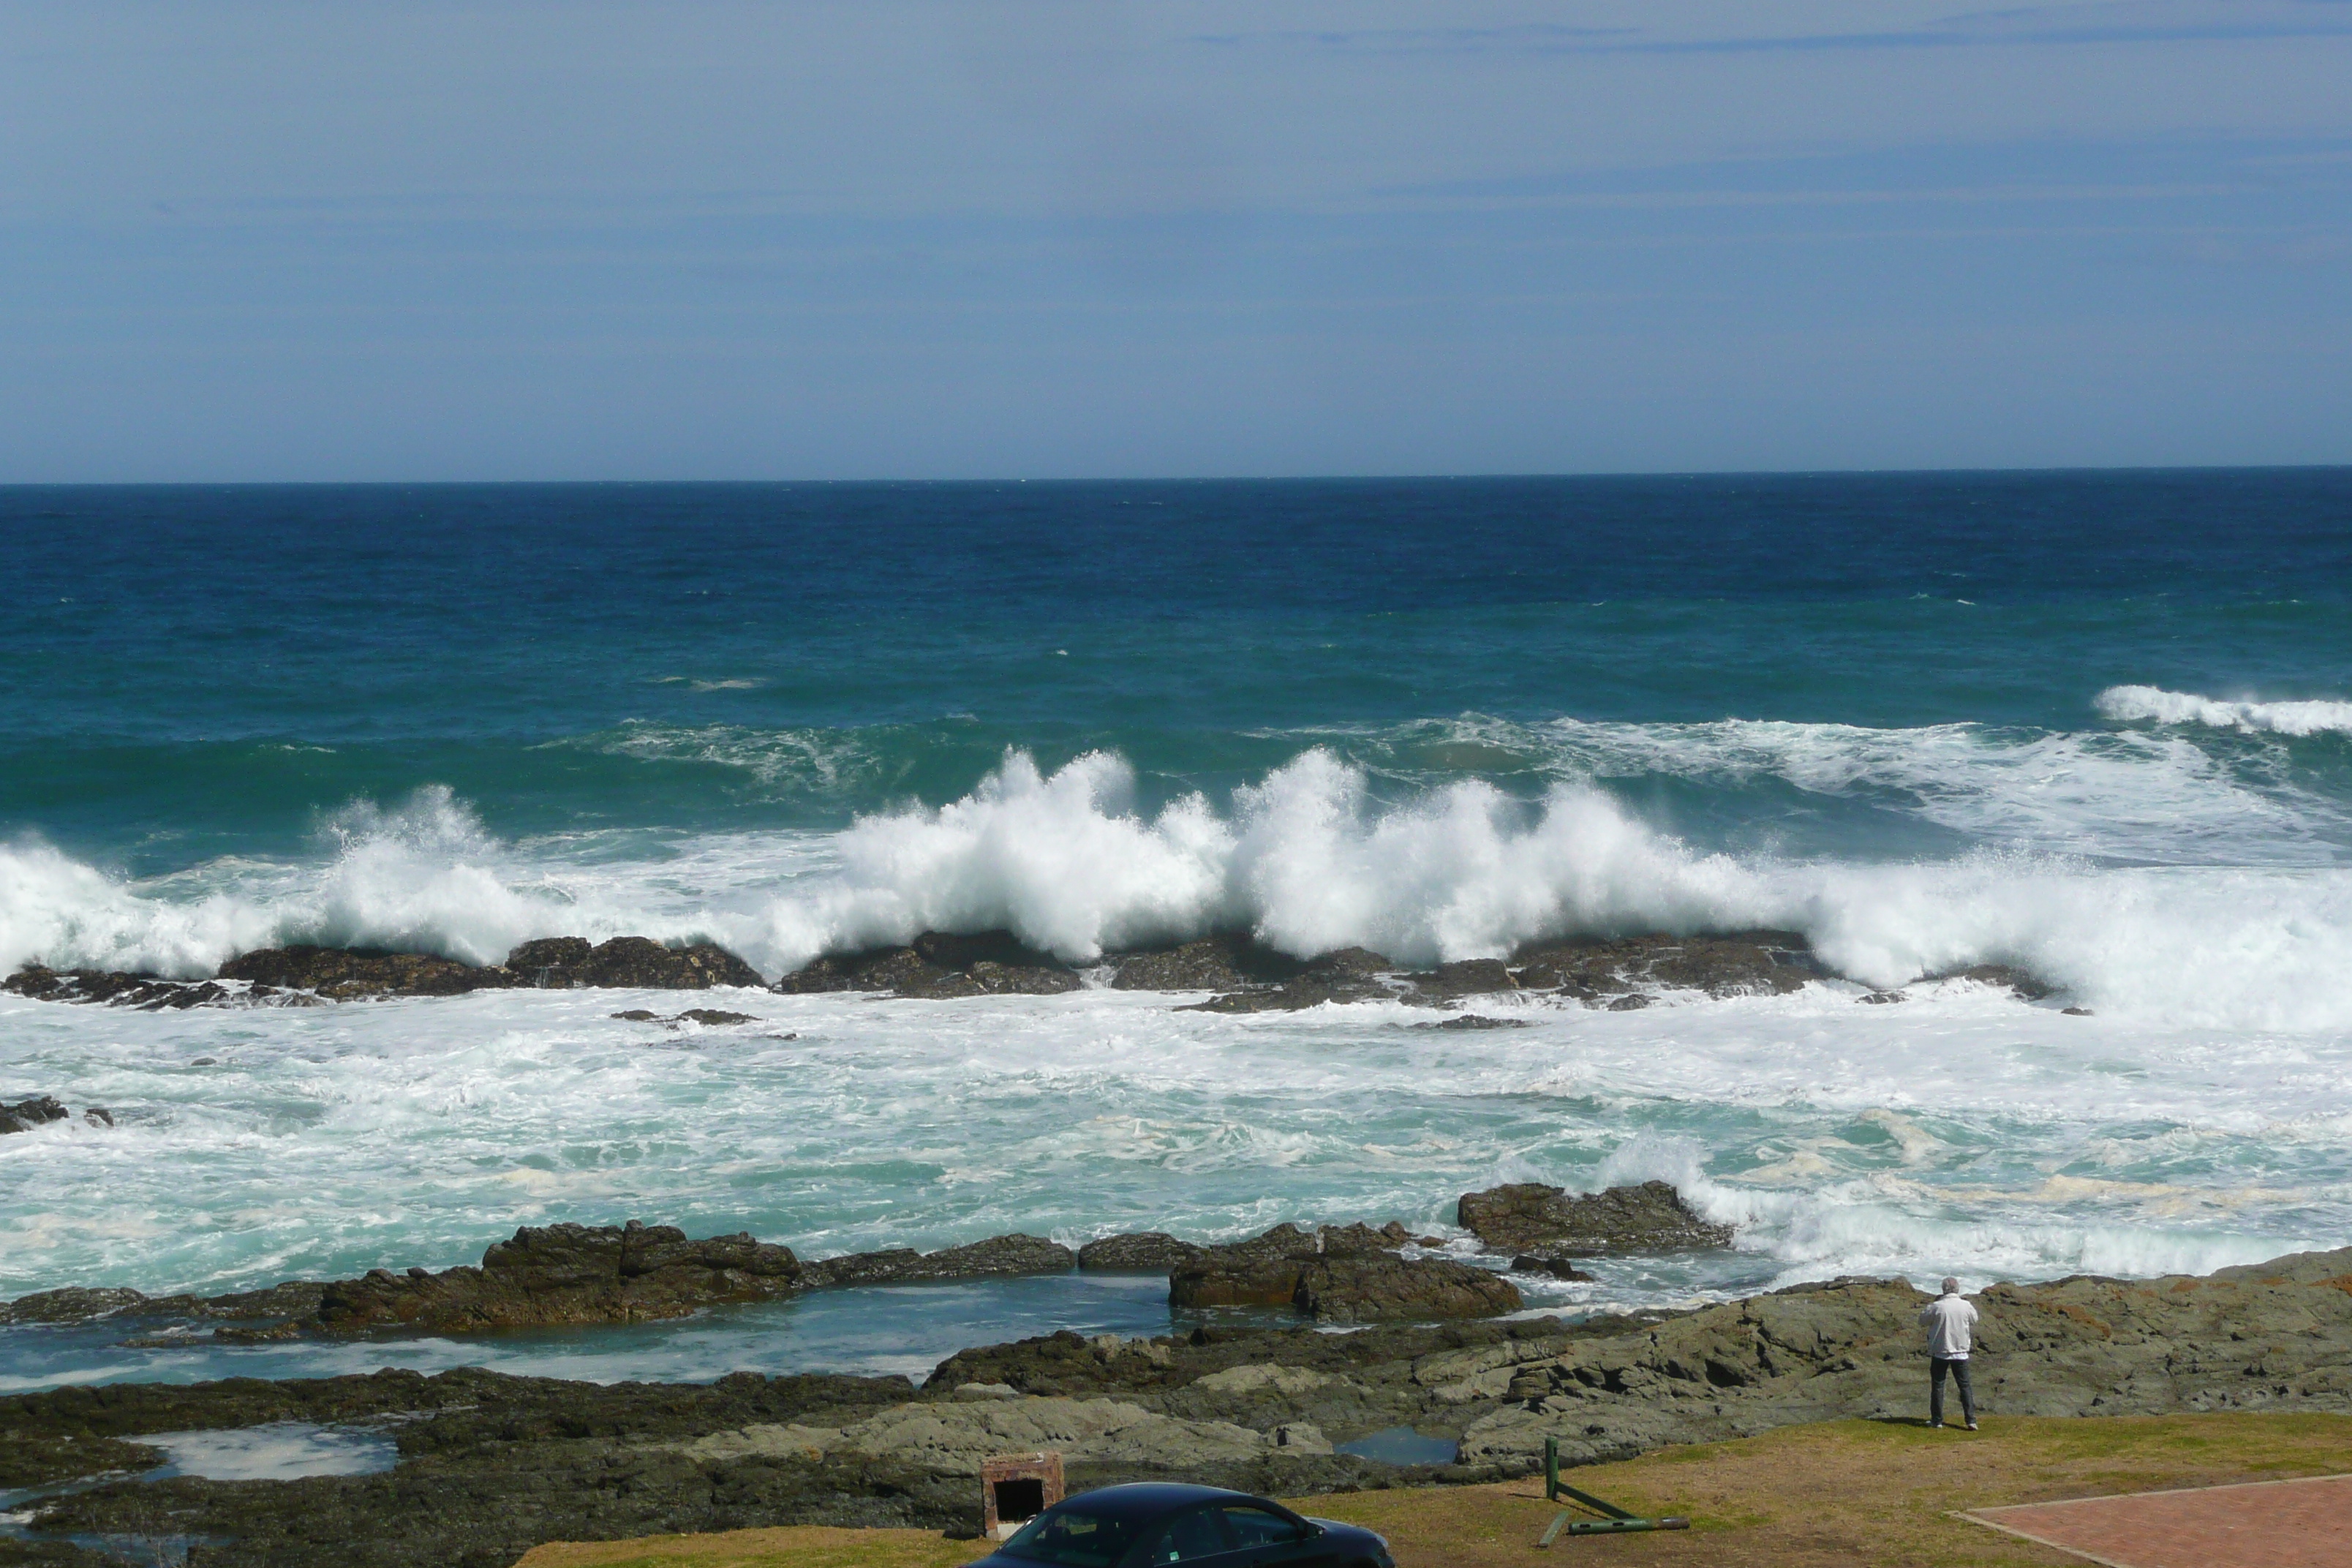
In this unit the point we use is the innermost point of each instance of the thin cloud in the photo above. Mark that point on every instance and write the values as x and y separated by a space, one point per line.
2129 22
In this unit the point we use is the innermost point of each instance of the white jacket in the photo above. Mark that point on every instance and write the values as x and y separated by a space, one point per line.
1947 1319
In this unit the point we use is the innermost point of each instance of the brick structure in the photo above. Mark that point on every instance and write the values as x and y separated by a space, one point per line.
1016 1488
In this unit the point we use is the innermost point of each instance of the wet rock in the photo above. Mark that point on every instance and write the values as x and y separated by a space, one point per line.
1350 974
1882 998
1141 1252
708 1017
1217 963
2075 1012
147 993
1531 1218
1475 977
1743 963
626 963
1558 1268
73 1304
2025 985
546 962
28 1114
1470 1021
343 974
99 1116
937 966
997 1256
567 1274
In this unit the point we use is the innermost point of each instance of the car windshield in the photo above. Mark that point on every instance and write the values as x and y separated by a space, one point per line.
1072 1537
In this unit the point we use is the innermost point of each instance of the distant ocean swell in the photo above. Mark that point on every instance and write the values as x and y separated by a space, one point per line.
2234 909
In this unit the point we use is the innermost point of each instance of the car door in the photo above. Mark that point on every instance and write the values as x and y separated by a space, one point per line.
1195 1538
1265 1539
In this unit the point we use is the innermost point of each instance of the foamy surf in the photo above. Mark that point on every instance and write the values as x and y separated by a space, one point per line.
2153 704
1312 857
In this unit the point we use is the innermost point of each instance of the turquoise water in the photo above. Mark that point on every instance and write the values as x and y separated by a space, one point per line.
2097 724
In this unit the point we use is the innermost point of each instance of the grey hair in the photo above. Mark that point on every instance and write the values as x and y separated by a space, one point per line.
1951 1286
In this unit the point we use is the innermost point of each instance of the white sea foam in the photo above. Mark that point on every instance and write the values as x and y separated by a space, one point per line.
1308 858
2154 704
2124 796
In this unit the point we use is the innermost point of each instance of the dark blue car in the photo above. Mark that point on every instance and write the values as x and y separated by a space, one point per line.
1154 1522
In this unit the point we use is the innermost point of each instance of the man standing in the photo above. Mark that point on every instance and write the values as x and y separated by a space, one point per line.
1947 1319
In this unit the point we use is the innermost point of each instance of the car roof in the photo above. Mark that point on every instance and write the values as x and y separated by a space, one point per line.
1149 1499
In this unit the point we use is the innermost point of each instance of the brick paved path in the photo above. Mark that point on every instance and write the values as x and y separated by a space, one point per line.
2261 1524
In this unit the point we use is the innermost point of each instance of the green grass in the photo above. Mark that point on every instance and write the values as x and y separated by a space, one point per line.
1844 1492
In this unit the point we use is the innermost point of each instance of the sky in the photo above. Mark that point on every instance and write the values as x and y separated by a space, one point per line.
1025 238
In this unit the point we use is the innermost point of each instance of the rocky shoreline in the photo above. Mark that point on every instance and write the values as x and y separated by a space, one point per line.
570 1275
491 1465
1242 974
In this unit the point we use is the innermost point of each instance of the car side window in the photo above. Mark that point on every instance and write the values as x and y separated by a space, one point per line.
1261 1527
1188 1538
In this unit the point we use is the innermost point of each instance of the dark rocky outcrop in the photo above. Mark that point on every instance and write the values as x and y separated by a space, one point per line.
147 993
73 1304
1225 962
625 964
1743 963
1342 1274
567 1274
708 1017
28 1114
1529 1220
939 967
1351 974
1140 1252
304 976
345 973
1360 1288
997 1256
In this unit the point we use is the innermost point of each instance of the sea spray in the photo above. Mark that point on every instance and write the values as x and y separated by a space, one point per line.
1308 858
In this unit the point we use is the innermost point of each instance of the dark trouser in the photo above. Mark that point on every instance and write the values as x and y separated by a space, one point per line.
1937 1367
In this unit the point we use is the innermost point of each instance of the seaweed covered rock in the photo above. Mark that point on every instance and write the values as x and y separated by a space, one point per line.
1529 1220
567 1274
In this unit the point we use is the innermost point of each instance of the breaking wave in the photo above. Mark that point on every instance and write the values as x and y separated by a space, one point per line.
2153 704
1309 857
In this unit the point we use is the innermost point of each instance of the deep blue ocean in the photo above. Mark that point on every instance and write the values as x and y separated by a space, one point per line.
204 670
2097 724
